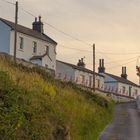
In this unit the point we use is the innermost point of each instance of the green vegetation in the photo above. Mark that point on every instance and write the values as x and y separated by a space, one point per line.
34 106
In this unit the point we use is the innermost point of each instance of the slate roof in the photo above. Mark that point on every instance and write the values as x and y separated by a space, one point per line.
36 57
40 56
79 68
29 31
122 80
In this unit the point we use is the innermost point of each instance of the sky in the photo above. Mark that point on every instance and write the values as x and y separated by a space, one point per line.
113 25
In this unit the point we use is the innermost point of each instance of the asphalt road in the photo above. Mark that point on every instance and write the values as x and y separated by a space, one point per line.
125 125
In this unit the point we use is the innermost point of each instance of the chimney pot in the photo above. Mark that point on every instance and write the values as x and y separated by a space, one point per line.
124 74
81 63
35 19
38 25
39 18
101 68
100 63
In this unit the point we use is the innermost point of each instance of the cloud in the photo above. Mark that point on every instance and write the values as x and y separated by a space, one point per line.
112 24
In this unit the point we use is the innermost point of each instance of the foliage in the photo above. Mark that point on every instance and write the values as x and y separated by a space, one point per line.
33 106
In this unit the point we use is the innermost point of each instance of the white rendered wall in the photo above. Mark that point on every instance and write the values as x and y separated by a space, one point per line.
64 72
27 51
111 85
87 76
102 85
134 88
67 73
121 85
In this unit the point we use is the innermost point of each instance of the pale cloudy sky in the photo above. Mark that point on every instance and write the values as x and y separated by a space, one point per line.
114 25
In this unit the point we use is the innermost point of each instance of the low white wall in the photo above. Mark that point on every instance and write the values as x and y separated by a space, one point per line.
27 64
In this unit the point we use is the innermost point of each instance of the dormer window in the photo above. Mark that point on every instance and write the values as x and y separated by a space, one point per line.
34 47
21 45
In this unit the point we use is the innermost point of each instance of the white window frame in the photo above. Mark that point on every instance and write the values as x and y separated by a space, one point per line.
123 89
34 47
82 78
21 43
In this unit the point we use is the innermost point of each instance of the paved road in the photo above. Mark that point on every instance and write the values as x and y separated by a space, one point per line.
126 124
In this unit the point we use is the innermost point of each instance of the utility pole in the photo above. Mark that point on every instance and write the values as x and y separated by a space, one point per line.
16 22
93 67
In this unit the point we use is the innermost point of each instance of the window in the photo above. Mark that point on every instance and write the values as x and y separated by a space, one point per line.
82 79
21 43
123 90
136 92
47 50
97 83
34 47
90 81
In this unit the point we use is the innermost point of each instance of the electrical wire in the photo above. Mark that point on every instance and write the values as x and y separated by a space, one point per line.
74 49
68 35
59 30
108 63
110 53
8 2
77 39
28 12
122 64
72 37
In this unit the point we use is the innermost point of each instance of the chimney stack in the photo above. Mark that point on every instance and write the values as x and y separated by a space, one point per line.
100 63
103 63
81 63
124 74
101 68
38 25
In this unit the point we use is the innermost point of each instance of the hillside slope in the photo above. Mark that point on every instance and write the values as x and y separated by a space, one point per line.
34 106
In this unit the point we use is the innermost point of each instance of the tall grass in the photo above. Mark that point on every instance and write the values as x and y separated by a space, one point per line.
33 106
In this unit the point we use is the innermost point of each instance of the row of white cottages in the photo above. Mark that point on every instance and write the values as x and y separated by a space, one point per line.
104 82
35 46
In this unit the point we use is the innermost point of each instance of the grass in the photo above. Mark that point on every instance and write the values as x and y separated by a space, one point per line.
35 106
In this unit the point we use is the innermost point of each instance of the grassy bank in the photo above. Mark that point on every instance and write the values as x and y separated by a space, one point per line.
34 106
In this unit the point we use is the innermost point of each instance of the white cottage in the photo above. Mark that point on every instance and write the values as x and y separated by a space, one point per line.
32 44
78 74
119 85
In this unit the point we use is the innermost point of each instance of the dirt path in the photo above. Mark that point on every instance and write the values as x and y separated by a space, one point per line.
126 124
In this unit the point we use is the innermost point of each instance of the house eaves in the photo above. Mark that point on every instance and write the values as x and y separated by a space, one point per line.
28 31
122 80
80 68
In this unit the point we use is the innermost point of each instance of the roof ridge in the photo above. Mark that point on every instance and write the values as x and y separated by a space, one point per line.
120 79
79 68
26 30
